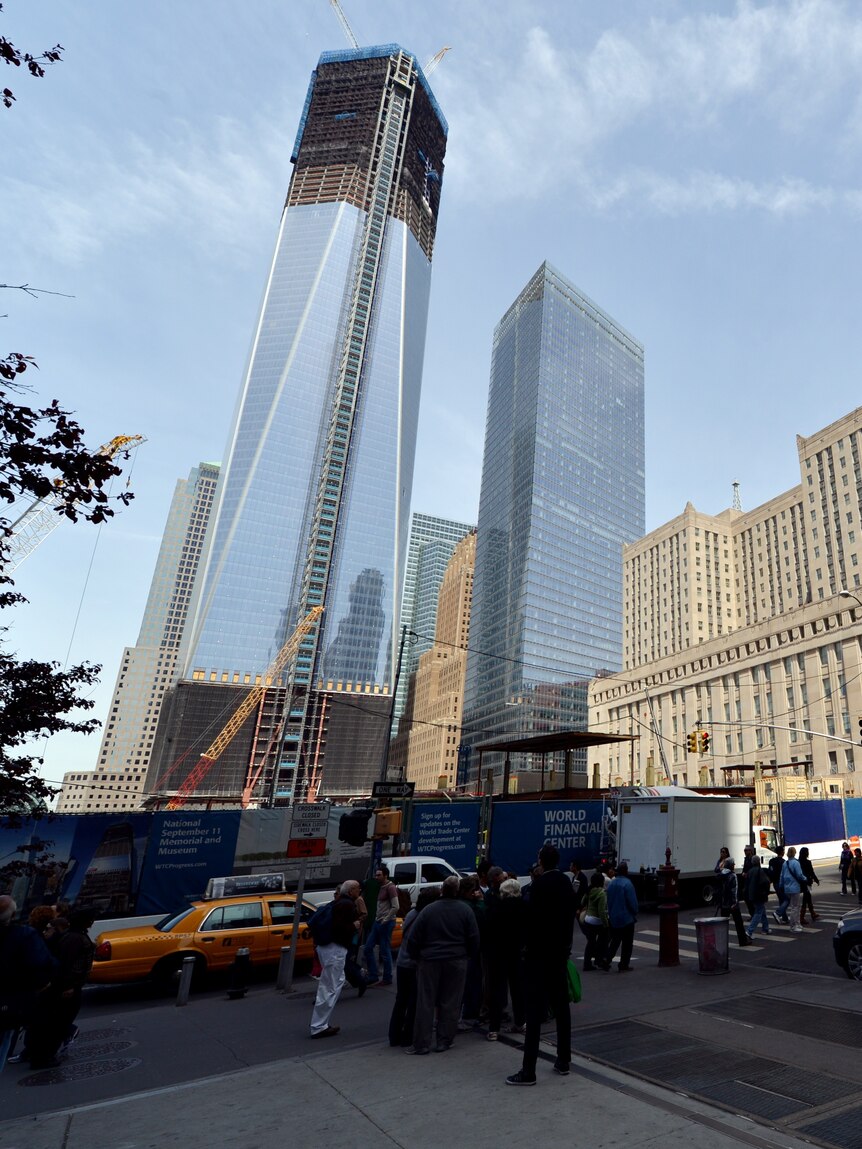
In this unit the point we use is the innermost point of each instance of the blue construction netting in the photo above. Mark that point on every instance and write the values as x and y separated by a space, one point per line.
342 56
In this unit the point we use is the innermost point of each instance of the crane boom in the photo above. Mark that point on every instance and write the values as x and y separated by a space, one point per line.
435 60
37 520
226 735
348 31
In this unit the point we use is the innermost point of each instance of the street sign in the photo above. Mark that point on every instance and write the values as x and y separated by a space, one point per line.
392 789
310 820
306 848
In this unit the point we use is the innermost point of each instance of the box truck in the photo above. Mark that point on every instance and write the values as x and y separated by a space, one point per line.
694 826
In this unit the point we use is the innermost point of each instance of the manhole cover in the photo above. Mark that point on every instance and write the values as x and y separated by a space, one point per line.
98 1049
80 1071
100 1034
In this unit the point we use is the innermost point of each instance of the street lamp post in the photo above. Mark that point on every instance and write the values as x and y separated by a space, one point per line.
849 594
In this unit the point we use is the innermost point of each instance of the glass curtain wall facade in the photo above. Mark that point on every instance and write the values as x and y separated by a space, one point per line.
562 492
314 503
432 544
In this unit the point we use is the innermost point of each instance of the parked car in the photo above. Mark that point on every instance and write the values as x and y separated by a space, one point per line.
210 931
848 945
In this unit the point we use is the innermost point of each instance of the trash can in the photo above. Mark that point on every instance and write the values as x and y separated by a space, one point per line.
713 949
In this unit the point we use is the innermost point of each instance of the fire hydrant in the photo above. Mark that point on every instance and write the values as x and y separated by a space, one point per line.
668 913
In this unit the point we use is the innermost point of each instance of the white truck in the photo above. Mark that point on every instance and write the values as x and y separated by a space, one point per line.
694 826
412 873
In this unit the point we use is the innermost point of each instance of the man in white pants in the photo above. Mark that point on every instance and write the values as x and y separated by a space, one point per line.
332 950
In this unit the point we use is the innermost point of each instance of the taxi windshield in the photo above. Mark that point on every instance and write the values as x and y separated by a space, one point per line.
167 924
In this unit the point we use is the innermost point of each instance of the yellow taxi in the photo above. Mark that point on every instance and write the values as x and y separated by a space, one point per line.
211 931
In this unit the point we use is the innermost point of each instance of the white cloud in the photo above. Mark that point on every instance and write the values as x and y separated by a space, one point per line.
210 188
786 72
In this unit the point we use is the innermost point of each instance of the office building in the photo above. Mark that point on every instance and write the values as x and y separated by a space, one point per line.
431 544
562 493
426 749
313 506
149 668
746 625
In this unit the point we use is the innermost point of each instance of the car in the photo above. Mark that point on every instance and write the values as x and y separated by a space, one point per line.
848 945
210 930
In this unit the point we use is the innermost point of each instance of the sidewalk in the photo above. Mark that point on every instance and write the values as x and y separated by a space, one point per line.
377 1096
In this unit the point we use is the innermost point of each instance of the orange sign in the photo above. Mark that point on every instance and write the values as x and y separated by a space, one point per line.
306 848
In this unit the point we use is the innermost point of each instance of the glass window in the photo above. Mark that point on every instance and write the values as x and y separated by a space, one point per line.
244 915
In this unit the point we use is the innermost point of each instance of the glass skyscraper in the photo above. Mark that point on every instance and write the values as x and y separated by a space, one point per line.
432 542
562 492
314 500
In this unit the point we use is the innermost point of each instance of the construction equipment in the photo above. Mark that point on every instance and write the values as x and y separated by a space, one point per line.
224 738
348 31
435 60
36 522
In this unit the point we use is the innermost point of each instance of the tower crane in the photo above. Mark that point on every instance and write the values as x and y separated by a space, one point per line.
435 60
225 736
36 522
348 31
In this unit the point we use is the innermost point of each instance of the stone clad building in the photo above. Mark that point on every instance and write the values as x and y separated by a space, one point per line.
749 625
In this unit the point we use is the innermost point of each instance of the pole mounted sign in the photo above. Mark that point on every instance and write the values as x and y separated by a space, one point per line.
308 830
392 789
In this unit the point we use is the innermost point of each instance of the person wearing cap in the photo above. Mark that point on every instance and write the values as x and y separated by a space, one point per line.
729 905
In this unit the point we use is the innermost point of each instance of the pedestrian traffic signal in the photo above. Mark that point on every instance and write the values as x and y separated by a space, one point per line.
353 827
704 742
860 730
692 743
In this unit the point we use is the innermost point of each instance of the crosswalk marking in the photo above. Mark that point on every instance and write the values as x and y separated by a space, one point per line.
653 946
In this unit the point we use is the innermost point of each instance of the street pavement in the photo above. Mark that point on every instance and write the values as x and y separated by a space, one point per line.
764 1056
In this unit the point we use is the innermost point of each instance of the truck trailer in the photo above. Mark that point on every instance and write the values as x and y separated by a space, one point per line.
694 826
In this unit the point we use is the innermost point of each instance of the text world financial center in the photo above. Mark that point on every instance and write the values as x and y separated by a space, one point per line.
562 492
314 505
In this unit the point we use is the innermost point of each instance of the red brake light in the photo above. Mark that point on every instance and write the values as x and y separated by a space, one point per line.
103 952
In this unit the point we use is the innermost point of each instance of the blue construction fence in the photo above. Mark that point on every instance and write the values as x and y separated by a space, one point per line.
155 863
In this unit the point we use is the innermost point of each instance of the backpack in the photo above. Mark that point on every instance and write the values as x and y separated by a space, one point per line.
405 902
320 924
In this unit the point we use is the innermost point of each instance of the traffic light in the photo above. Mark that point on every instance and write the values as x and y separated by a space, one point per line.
704 742
692 743
353 827
860 730
387 822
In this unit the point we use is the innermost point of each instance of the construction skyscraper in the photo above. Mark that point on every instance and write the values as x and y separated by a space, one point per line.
313 507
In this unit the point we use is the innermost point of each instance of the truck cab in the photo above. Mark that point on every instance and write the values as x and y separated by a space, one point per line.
415 872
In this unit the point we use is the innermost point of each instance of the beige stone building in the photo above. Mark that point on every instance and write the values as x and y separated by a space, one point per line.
749 626
426 748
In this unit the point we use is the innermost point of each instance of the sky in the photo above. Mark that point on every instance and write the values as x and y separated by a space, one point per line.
692 166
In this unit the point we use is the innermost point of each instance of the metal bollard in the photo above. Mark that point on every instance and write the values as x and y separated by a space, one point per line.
239 974
186 975
284 962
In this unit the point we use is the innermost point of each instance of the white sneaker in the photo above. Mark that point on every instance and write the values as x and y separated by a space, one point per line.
493 1035
797 930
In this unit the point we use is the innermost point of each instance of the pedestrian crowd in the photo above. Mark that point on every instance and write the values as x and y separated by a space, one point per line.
44 965
791 878
477 949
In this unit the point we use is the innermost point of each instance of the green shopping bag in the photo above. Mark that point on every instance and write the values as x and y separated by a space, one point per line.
574 980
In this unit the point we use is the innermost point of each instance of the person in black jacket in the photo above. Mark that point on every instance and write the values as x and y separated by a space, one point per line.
59 1005
550 923
811 879
26 968
505 937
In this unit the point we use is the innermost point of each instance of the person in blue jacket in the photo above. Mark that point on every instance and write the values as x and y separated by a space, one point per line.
793 881
622 915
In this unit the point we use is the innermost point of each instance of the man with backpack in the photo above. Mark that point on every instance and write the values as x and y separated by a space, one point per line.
332 927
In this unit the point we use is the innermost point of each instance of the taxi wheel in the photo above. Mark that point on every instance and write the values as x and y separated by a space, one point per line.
167 972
